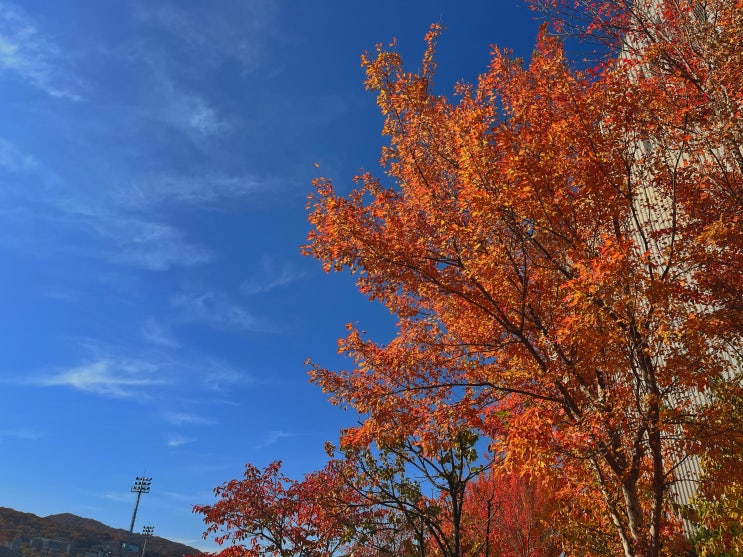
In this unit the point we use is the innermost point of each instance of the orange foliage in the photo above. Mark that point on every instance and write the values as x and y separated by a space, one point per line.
562 250
267 513
511 516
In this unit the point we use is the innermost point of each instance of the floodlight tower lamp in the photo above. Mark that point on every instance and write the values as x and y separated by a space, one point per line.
147 533
141 485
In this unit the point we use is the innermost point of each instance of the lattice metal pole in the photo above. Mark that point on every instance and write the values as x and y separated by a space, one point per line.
141 485
147 533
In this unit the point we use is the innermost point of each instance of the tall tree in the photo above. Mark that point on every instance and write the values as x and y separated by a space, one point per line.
395 499
687 54
544 243
423 488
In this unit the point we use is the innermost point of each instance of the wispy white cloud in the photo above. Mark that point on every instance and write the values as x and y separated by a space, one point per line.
193 382
184 418
127 216
237 31
271 274
189 112
107 377
32 56
119 236
188 497
176 441
117 496
149 245
159 335
147 192
219 377
25 434
216 310
273 437
14 160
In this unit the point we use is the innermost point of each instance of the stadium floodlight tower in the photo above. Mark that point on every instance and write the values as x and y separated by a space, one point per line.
147 533
141 485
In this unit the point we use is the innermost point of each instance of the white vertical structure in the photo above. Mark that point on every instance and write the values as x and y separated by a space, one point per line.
654 215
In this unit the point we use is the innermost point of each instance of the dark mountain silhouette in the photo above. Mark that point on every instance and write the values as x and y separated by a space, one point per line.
83 533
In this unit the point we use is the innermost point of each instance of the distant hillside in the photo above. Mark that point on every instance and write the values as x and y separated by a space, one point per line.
74 521
83 532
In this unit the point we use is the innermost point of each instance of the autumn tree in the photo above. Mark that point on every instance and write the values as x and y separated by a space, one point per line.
395 499
561 250
267 513
401 498
688 54
420 489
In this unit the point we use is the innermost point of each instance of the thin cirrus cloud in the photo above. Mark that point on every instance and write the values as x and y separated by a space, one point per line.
216 310
159 335
149 245
13 160
272 437
189 112
117 496
106 377
148 192
118 236
271 275
217 376
184 418
175 441
125 218
31 56
22 433
109 236
237 31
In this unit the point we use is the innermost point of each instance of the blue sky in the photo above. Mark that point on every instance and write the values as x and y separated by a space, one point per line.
155 158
